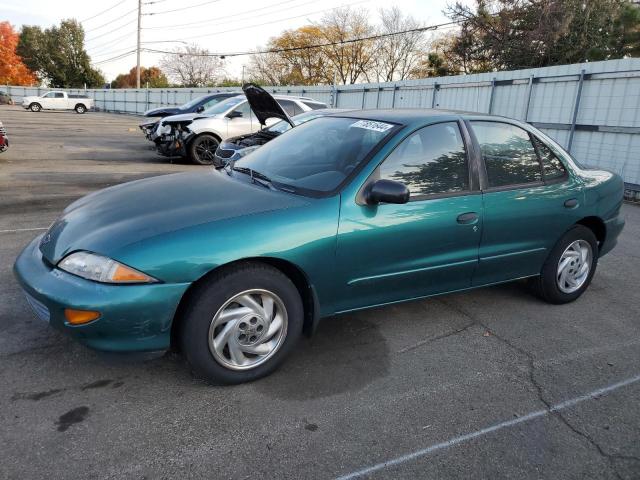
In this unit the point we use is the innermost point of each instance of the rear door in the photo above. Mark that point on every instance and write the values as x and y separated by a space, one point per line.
526 207
388 253
59 101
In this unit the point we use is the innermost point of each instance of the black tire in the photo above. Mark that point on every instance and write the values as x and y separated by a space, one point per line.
80 108
35 107
546 285
202 149
211 296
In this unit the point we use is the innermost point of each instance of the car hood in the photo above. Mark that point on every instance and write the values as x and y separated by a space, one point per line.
110 219
264 106
180 118
162 112
30 98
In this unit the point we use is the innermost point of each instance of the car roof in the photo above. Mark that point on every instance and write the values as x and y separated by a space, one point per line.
406 116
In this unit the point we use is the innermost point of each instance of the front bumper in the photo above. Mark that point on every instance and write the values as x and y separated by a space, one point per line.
134 318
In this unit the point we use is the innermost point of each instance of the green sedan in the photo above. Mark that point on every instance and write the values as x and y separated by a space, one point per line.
343 213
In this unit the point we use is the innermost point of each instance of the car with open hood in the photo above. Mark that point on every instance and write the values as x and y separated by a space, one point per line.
235 148
198 138
343 213
193 107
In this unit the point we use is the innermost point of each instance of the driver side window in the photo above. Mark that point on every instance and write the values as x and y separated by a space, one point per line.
431 161
244 110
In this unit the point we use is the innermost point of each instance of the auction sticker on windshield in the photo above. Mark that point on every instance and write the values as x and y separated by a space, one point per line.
371 125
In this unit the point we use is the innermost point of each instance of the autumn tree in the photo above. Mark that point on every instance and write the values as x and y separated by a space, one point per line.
57 55
192 66
296 62
508 34
350 60
13 71
397 54
151 77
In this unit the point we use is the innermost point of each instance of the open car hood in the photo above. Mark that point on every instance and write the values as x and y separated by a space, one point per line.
264 106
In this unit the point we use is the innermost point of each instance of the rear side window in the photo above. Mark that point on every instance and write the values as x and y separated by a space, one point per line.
551 165
430 161
288 106
508 154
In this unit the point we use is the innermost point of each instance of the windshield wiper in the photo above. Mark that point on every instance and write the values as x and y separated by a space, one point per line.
255 176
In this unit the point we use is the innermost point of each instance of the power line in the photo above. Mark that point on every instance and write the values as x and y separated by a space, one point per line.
183 8
112 31
309 47
104 11
110 21
180 25
108 44
274 21
118 57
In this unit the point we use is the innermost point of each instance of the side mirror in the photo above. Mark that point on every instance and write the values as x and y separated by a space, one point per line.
386 191
234 114
200 109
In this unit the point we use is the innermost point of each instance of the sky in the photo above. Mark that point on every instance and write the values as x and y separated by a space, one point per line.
221 26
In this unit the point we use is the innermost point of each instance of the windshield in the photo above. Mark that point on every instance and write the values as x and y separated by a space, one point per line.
223 106
191 103
317 156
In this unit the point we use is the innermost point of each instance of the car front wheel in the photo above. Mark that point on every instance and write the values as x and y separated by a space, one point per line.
203 148
240 324
569 268
35 107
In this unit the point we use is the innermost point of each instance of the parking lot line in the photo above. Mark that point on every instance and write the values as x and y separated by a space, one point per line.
498 426
13 230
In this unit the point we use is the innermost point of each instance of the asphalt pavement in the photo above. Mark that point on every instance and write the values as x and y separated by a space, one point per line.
486 384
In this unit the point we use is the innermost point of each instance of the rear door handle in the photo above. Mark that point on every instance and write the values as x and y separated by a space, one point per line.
571 203
467 218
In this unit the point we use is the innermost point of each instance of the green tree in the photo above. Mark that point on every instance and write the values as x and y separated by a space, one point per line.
57 55
513 34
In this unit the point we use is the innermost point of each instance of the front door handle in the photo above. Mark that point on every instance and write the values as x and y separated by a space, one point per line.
571 203
467 218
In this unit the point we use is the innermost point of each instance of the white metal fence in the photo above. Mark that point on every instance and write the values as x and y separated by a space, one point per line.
593 109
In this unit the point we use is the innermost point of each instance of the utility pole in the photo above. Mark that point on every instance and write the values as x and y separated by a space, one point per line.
138 49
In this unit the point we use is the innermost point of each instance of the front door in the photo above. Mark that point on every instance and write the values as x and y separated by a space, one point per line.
239 120
388 253
529 202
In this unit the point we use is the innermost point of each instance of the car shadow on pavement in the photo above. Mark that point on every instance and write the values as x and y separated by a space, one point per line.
345 354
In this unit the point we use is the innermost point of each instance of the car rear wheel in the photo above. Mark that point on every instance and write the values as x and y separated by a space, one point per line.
241 324
203 148
80 108
569 268
35 107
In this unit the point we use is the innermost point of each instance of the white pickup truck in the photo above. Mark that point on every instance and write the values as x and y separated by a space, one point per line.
58 101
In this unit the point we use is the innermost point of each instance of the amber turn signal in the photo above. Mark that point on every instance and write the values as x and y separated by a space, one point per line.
78 317
125 274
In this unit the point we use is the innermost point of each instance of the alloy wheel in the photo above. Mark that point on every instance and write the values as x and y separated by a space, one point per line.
248 329
205 150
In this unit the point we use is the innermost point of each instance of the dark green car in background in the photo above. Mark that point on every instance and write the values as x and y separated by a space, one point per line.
345 212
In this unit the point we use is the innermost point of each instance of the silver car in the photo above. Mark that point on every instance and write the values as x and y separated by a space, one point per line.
198 137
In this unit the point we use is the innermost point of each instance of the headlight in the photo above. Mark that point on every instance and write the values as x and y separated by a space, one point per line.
101 269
